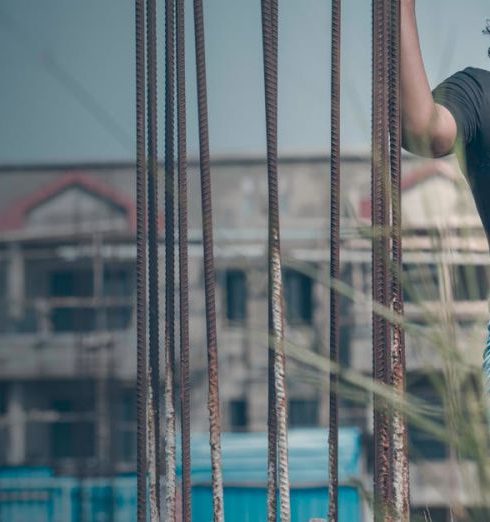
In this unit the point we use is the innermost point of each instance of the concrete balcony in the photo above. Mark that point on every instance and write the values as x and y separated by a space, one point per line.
431 337
67 337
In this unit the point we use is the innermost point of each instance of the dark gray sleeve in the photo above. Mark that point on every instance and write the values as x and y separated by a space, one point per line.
462 95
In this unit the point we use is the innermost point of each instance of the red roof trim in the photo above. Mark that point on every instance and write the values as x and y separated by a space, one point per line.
13 218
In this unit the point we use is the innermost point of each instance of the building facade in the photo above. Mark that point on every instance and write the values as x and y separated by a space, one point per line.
67 324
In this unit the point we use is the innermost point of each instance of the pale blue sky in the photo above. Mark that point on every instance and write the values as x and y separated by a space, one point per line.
64 60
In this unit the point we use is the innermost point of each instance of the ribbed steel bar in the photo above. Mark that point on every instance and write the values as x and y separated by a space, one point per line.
141 273
380 257
209 271
333 432
185 388
169 382
271 377
154 367
278 450
401 492
277 321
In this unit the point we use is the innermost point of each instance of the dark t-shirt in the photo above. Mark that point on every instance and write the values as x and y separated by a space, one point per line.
466 95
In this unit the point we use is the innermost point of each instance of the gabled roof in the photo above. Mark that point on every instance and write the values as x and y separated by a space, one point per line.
14 217
427 170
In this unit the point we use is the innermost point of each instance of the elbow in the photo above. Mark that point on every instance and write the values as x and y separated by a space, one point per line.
408 139
420 141
431 134
417 141
414 132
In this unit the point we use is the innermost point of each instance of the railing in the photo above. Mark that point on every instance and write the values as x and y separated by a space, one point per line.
66 314
66 499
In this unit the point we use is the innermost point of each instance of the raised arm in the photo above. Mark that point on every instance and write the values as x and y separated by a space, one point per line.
428 129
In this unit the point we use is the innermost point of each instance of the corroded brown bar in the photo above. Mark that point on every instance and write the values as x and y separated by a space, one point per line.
400 471
333 431
380 258
209 271
141 273
278 472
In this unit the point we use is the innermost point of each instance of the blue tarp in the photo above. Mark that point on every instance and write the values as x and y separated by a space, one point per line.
244 457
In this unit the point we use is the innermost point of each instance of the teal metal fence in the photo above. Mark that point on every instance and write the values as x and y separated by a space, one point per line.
65 499
36 495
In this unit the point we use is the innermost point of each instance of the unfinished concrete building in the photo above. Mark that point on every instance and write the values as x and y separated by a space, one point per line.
67 324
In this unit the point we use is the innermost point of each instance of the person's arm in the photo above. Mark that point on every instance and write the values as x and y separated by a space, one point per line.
428 128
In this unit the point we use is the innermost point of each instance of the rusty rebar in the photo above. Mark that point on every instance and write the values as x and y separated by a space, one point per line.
401 490
209 271
154 366
380 256
333 432
141 274
185 387
169 383
271 373
278 473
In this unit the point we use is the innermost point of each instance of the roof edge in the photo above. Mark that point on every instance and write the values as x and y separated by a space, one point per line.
193 161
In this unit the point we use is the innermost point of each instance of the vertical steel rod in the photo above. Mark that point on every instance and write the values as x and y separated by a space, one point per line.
185 387
272 478
141 273
169 382
333 432
401 492
154 367
380 254
278 450
209 271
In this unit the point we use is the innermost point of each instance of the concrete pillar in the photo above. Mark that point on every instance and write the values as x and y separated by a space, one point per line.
322 326
15 281
16 454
